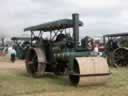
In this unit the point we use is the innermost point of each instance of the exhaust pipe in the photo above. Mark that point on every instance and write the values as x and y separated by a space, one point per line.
75 18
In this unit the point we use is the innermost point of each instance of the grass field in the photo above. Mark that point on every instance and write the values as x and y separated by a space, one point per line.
15 82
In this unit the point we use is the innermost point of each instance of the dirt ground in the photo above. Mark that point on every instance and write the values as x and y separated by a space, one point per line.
15 82
6 64
19 64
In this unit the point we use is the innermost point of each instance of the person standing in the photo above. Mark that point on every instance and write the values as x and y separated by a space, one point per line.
96 50
13 54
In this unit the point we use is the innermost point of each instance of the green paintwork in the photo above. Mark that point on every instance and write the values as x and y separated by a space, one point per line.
19 52
70 56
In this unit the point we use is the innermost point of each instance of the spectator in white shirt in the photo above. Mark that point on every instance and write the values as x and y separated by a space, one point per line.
12 52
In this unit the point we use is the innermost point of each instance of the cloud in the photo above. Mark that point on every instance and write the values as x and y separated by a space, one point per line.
99 16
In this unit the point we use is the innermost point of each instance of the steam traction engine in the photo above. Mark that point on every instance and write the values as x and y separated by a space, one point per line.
116 46
62 54
21 45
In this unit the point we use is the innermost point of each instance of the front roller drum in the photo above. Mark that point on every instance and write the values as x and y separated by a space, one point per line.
89 71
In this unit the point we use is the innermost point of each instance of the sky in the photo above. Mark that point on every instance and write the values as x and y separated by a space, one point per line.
99 16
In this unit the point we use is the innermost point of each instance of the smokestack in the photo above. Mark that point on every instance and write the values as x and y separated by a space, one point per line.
75 18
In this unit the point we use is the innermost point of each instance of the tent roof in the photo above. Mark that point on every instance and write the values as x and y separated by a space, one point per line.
21 38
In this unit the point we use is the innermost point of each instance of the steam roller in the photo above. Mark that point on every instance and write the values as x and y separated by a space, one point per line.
62 54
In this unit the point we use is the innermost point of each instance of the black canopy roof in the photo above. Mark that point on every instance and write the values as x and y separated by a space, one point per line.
116 34
21 38
55 25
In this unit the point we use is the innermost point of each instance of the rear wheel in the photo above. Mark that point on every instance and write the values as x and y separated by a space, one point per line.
33 66
120 56
110 60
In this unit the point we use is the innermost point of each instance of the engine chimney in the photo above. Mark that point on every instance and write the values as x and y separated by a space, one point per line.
75 18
